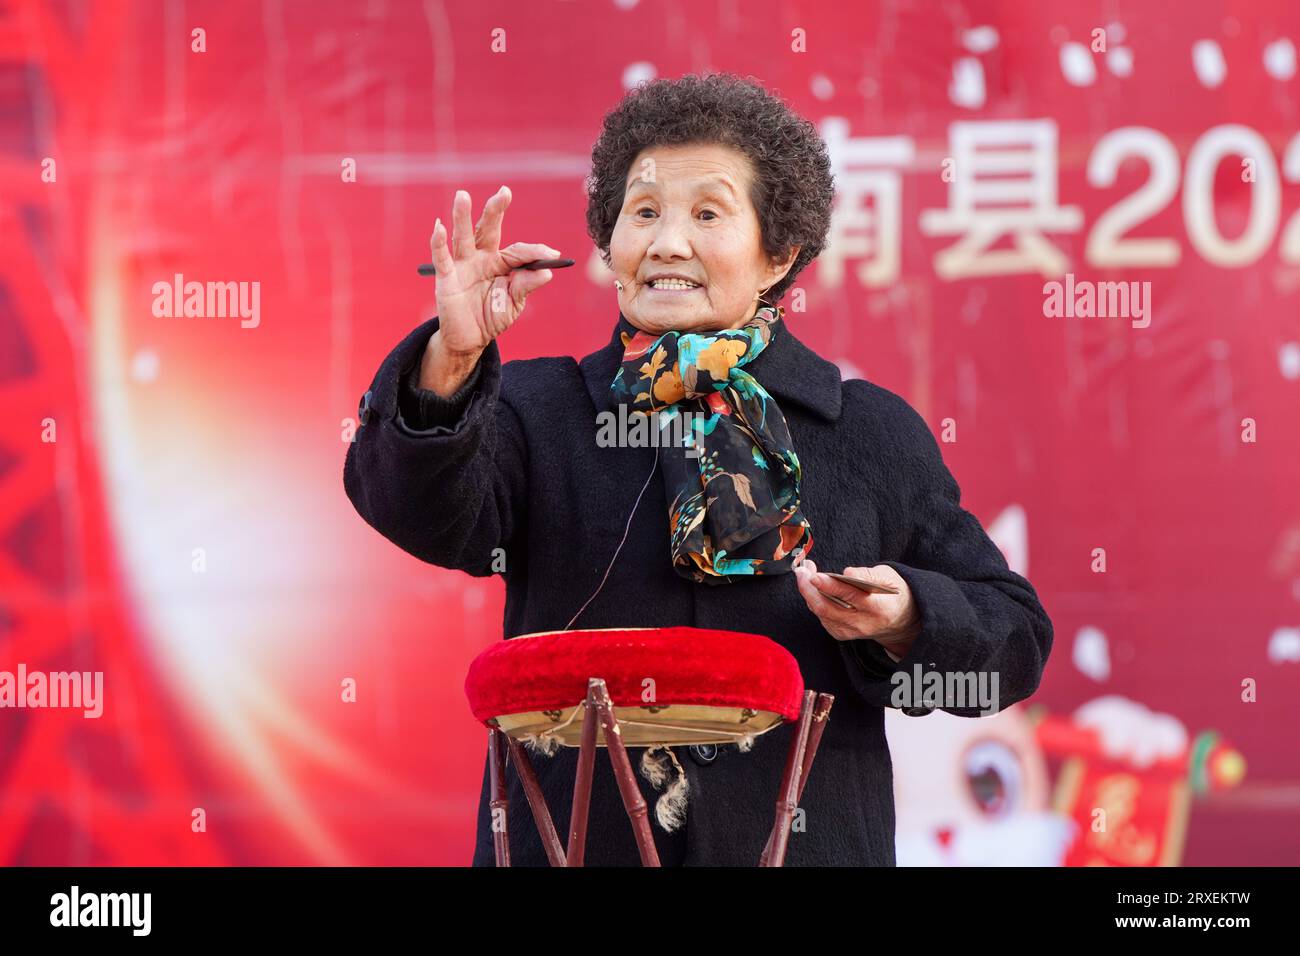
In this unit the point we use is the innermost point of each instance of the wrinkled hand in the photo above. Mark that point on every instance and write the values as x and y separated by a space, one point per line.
479 291
478 294
891 620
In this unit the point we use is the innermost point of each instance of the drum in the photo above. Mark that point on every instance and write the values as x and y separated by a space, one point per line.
637 687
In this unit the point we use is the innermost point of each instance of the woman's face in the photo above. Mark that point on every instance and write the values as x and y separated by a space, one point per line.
686 212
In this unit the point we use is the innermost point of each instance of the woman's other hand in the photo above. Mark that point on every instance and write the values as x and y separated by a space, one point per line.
890 619
478 295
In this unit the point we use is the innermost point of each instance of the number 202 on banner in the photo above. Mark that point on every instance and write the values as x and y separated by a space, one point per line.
1107 245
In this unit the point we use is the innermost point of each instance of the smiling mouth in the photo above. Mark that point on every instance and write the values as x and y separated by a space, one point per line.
672 285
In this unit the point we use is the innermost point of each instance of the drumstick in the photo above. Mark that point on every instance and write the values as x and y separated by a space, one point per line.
428 270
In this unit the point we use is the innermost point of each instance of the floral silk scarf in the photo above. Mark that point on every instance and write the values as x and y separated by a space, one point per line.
733 491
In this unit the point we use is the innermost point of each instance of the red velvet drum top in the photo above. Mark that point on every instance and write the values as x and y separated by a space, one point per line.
697 673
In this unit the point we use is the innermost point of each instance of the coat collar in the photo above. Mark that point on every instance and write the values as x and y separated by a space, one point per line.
787 369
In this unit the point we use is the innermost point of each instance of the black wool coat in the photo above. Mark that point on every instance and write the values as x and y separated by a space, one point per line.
511 461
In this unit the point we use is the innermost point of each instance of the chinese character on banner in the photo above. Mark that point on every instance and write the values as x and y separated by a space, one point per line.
1003 183
866 220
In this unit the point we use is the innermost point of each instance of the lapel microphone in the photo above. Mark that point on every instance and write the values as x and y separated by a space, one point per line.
627 527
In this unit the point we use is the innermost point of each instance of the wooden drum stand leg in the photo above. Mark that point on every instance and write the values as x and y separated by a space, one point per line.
497 774
537 802
582 782
632 799
803 750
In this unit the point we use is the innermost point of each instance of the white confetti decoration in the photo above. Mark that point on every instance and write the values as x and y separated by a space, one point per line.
1120 61
145 366
1284 646
967 86
638 72
980 39
1077 65
1207 59
1288 360
1279 59
1091 654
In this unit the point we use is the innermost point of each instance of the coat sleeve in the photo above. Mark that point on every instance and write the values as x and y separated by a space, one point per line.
442 478
977 616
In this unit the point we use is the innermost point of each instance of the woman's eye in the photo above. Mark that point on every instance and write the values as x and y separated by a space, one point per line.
705 212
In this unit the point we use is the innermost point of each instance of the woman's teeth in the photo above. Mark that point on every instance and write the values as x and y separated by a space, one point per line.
672 284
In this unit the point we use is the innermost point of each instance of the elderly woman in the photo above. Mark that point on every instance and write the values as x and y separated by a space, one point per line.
708 197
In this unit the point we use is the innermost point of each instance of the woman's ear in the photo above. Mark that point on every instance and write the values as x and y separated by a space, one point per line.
779 267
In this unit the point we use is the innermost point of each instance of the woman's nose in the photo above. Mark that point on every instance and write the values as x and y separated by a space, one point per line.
670 239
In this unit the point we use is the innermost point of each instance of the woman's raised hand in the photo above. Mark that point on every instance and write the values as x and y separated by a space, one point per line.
478 295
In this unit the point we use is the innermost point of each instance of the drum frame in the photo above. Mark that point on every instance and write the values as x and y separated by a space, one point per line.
813 715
